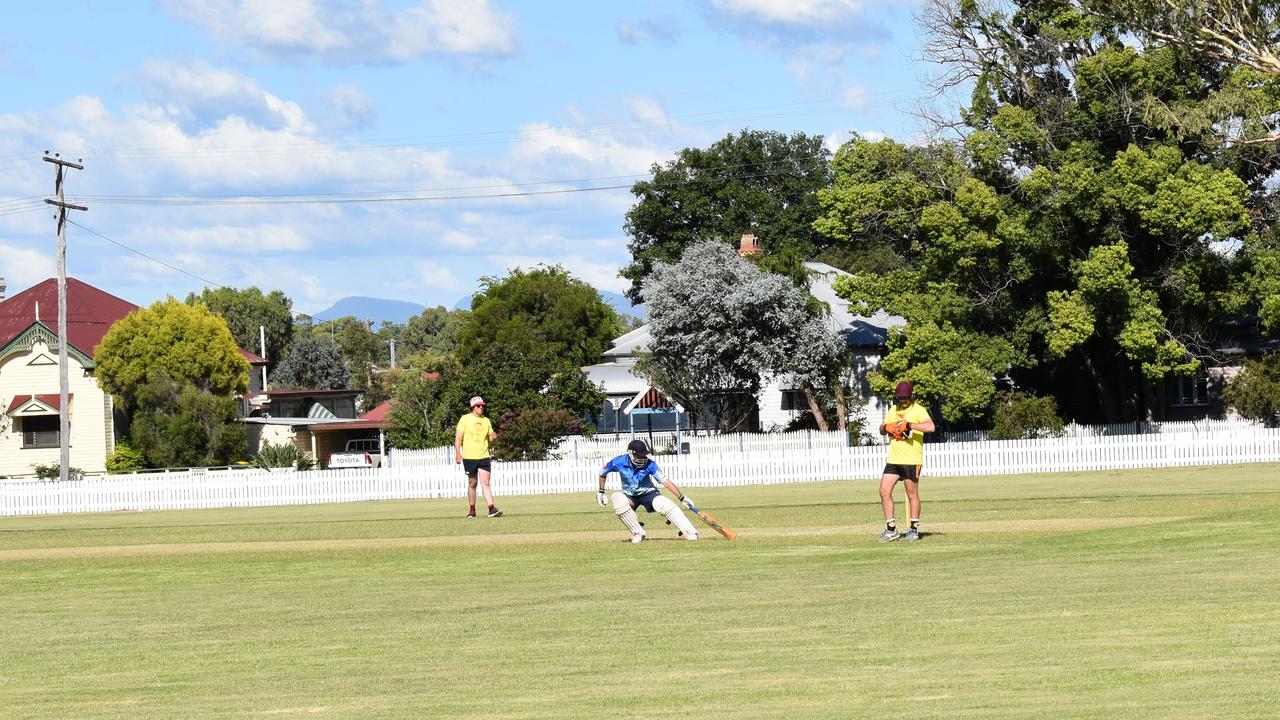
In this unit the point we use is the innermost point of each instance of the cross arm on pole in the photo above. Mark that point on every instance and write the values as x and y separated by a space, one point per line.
65 205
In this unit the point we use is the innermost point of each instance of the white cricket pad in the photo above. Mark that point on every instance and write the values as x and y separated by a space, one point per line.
672 512
627 514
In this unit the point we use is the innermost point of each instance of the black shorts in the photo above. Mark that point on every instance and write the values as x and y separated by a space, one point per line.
474 466
644 501
904 472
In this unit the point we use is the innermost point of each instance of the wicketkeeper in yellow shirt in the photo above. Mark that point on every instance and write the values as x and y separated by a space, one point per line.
905 424
471 450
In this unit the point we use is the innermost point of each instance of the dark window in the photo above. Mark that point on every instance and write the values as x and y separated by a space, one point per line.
794 400
40 431
1190 391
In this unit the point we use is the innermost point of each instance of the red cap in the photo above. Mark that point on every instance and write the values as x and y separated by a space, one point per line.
904 390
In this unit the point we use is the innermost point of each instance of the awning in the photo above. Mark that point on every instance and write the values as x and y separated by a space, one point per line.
651 399
25 405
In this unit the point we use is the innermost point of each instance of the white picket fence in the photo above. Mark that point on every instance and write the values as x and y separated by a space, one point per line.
606 445
248 488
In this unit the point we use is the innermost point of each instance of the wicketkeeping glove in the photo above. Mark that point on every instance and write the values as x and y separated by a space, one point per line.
898 429
600 498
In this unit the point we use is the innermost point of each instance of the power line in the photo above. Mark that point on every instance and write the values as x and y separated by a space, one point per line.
322 199
175 268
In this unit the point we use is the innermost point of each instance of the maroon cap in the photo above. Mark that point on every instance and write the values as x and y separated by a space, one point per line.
904 390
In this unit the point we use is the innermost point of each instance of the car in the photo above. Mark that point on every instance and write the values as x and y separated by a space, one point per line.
359 453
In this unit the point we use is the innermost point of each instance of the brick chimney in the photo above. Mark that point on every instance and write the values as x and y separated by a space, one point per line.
749 246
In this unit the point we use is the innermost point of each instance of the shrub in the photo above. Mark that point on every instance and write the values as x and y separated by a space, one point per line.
52 471
1255 392
530 434
284 455
1020 416
125 458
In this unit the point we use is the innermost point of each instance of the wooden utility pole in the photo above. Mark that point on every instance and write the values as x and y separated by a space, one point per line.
64 418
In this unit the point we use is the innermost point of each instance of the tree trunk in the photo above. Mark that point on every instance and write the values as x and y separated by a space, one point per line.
842 412
814 407
1106 396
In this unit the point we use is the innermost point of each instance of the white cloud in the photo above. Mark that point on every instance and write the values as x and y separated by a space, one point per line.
24 267
439 276
244 239
351 107
198 94
424 251
365 33
664 30
826 15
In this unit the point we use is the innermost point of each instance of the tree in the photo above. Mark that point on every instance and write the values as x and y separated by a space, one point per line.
435 330
179 424
174 341
246 310
1255 391
314 361
546 305
423 413
1066 245
720 327
761 182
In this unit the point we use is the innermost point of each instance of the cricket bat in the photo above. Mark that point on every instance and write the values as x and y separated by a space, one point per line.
716 525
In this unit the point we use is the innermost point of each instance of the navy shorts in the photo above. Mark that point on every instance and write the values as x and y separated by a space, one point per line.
904 472
474 466
644 501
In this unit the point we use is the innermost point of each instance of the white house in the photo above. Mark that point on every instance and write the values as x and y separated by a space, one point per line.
29 392
781 401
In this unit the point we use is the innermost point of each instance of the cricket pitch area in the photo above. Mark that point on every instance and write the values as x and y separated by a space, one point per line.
1141 593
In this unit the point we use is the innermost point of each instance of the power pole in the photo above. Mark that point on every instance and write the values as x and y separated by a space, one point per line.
392 343
64 418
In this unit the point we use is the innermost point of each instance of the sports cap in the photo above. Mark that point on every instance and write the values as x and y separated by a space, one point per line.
477 400
904 390
638 448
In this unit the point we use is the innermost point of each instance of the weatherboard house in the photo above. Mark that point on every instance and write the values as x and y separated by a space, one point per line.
632 405
29 386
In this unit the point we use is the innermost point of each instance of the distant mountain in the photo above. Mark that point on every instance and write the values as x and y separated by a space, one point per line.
619 302
375 309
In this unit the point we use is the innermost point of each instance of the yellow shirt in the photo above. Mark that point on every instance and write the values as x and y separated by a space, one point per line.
475 436
910 450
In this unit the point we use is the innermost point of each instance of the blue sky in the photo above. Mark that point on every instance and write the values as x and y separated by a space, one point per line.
196 119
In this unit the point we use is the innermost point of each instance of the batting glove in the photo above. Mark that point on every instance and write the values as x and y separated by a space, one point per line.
601 499
685 499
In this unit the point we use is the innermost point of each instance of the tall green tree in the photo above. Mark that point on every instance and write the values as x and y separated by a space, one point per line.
757 181
245 311
561 313
180 425
1068 245
314 361
435 330
174 341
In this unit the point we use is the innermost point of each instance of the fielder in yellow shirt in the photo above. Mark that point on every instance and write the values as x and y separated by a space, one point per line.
905 423
471 450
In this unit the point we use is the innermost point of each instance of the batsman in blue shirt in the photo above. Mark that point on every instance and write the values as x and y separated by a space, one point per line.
641 487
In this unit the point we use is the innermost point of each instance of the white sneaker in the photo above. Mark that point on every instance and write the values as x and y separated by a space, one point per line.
637 537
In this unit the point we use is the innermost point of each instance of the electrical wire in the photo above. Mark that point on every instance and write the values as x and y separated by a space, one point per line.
175 268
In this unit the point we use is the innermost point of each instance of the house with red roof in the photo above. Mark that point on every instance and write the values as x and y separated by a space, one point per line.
29 429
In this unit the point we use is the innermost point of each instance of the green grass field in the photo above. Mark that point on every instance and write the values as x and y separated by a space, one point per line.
1140 594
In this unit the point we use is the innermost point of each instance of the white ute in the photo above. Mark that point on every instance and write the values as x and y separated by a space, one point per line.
359 454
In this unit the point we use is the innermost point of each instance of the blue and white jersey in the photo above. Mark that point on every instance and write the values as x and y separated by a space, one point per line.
635 481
